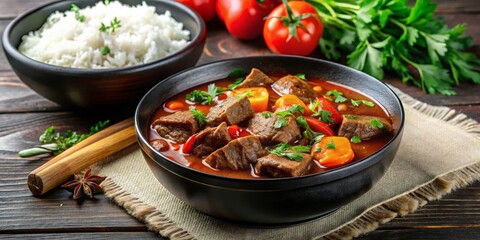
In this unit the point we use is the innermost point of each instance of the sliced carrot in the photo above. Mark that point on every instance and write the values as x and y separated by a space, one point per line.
258 97
333 151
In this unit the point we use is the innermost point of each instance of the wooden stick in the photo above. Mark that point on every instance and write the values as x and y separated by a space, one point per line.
75 159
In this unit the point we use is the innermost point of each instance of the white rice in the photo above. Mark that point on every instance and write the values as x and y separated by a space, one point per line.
144 36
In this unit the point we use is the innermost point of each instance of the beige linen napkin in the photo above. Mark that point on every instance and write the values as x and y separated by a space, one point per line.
440 151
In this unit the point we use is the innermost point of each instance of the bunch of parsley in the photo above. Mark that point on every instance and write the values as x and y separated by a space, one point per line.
390 35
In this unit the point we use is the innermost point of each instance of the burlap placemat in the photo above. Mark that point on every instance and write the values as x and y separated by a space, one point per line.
440 151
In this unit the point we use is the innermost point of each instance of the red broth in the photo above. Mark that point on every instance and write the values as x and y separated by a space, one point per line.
361 150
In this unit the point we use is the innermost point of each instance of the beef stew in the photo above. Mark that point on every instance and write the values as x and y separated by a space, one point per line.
272 134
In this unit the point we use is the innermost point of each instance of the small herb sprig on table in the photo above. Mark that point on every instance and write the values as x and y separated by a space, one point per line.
390 35
55 143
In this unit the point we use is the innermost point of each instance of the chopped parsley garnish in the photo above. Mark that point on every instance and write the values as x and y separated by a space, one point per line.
204 98
106 2
302 76
309 133
281 122
292 152
247 94
74 8
351 116
239 74
105 50
325 116
357 103
199 116
339 98
114 24
317 149
266 114
355 139
375 123
331 145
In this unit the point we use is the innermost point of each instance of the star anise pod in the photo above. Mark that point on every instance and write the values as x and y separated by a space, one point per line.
87 185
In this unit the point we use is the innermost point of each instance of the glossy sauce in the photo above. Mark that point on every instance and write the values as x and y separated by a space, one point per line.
361 150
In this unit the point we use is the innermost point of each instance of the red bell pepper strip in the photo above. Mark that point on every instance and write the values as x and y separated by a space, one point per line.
319 126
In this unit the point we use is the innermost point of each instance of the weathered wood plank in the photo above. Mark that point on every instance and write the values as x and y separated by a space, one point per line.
84 235
423 234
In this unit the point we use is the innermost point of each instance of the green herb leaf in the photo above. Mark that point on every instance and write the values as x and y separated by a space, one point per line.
74 8
235 84
331 145
281 122
355 139
292 152
266 114
308 132
302 76
199 116
237 72
55 143
114 24
105 51
339 98
375 123
351 116
200 97
356 103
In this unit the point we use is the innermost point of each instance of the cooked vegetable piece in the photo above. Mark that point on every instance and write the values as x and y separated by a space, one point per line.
237 154
188 145
232 111
333 151
258 97
288 100
178 126
321 107
364 127
175 105
319 126
235 131
279 166
293 85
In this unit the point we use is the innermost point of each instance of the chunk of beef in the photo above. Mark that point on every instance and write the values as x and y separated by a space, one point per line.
211 139
264 128
363 126
256 78
279 166
237 154
232 110
293 85
177 127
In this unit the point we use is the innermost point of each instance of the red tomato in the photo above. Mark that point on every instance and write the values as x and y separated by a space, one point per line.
175 105
278 36
244 18
206 8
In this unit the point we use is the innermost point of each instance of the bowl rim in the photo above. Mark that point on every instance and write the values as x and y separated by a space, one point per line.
240 183
13 51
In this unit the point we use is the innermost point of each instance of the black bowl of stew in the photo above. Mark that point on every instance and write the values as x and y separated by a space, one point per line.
256 176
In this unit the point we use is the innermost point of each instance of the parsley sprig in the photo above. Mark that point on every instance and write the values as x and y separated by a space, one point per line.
337 95
55 143
199 116
74 8
281 121
239 75
205 97
316 108
379 35
294 153
308 132
114 24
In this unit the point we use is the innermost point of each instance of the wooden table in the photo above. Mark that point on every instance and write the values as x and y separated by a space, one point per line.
24 115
